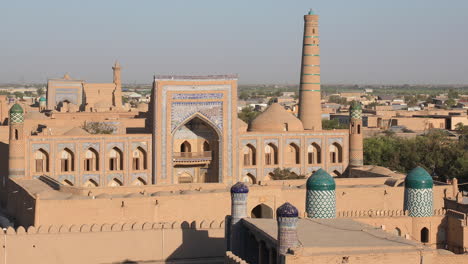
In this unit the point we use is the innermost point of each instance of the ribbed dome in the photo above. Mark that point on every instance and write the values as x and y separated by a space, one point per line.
17 109
276 118
239 187
287 210
321 181
418 178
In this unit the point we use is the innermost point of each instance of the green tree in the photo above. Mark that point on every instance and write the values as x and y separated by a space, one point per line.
286 174
452 94
18 95
247 114
40 91
333 124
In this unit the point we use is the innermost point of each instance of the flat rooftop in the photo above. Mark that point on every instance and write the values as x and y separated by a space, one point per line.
325 236
196 77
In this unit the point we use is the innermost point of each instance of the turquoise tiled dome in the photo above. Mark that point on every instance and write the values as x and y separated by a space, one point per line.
16 109
418 178
321 181
311 12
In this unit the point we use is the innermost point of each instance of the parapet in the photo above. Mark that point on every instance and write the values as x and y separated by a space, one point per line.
116 227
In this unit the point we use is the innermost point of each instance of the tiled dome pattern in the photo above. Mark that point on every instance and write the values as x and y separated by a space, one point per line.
321 204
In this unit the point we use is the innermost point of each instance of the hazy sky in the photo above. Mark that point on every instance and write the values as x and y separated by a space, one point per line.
362 41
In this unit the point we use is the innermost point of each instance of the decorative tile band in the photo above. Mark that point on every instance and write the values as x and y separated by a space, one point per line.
196 96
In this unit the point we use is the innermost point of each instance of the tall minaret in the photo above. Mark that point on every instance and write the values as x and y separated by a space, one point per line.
16 162
356 152
118 85
310 111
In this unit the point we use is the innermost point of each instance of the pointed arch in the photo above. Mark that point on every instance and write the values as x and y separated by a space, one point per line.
90 184
115 159
185 178
203 129
202 117
336 153
425 235
293 154
185 147
336 173
139 182
41 158
67 160
397 231
250 155
67 183
139 159
115 183
91 161
262 211
249 178
271 154
314 154
206 146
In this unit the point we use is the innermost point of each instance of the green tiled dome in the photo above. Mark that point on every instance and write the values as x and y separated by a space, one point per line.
321 181
355 105
42 99
16 109
418 178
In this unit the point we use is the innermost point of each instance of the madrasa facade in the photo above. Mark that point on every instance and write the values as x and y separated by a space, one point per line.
190 132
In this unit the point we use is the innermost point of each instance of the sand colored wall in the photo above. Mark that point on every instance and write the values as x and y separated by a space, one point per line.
457 236
192 204
78 145
123 242
419 123
410 227
399 257
302 139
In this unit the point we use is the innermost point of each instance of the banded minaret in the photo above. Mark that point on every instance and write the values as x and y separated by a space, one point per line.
356 152
118 85
310 111
287 218
239 193
16 142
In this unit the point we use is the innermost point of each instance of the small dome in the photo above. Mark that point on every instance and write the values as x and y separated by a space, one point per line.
239 187
42 99
321 181
16 109
355 106
311 12
276 118
418 178
287 210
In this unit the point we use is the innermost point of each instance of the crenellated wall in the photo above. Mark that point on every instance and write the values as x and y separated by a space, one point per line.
135 241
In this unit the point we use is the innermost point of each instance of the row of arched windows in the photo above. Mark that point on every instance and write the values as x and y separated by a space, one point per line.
91 161
314 154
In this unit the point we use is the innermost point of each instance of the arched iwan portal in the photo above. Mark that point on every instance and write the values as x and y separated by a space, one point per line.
195 148
262 211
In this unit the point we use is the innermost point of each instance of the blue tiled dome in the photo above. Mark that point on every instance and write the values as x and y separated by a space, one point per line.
321 181
287 210
418 178
239 187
